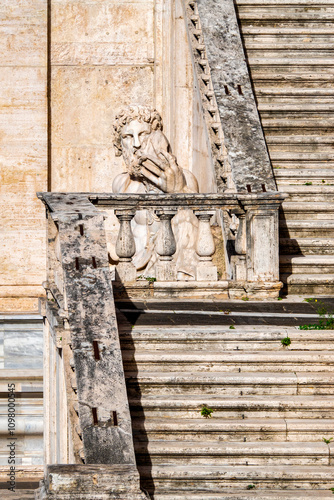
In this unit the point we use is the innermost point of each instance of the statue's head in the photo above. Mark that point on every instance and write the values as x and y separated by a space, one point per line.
133 129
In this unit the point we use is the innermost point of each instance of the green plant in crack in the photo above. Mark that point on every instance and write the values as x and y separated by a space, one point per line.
251 486
327 441
206 412
326 319
286 341
232 327
150 279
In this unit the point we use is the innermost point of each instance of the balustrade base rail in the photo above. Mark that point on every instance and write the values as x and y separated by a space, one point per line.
223 289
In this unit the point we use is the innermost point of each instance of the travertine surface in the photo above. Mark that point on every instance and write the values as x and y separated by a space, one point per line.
23 152
108 54
102 54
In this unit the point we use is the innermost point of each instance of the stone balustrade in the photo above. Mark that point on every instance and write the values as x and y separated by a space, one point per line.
254 263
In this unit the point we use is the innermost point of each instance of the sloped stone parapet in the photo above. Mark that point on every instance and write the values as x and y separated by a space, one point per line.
229 108
90 482
88 425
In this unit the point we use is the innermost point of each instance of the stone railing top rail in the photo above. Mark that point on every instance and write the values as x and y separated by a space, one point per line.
78 202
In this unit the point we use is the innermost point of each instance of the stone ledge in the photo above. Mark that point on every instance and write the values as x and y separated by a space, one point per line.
197 289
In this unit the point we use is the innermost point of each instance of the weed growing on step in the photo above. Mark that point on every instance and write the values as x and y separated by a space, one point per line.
326 319
206 412
332 490
286 341
308 183
244 298
232 327
251 487
150 279
327 441
279 298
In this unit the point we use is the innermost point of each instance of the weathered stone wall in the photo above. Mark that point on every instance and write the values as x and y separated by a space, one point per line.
102 55
89 58
23 151
105 54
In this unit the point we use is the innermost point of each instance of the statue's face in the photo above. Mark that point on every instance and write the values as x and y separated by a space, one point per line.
134 138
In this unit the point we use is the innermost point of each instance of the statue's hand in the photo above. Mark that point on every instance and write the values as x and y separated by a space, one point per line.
163 171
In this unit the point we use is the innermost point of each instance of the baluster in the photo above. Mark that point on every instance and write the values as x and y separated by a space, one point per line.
165 247
125 247
205 248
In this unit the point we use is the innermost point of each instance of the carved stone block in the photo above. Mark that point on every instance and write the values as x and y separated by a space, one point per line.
238 263
165 271
206 272
90 482
125 272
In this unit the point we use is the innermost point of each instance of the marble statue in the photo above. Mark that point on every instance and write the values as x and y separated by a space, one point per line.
152 168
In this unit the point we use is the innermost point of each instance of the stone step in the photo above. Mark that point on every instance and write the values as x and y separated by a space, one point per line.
303 106
299 193
311 164
308 264
294 76
28 404
306 228
297 148
227 383
307 211
223 429
283 11
232 453
310 284
231 361
211 313
307 246
222 338
26 381
27 477
217 478
232 407
18 494
283 155
249 495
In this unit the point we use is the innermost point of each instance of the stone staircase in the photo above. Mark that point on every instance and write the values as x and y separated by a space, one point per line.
272 405
307 240
289 48
21 363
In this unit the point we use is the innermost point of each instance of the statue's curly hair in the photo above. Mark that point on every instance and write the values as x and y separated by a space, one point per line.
134 112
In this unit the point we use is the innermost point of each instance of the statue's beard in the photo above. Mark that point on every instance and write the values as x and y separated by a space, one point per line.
132 163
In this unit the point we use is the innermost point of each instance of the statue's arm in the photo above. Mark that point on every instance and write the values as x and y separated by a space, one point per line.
191 182
124 184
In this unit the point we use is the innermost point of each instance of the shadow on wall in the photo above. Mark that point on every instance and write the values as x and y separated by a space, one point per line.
288 248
